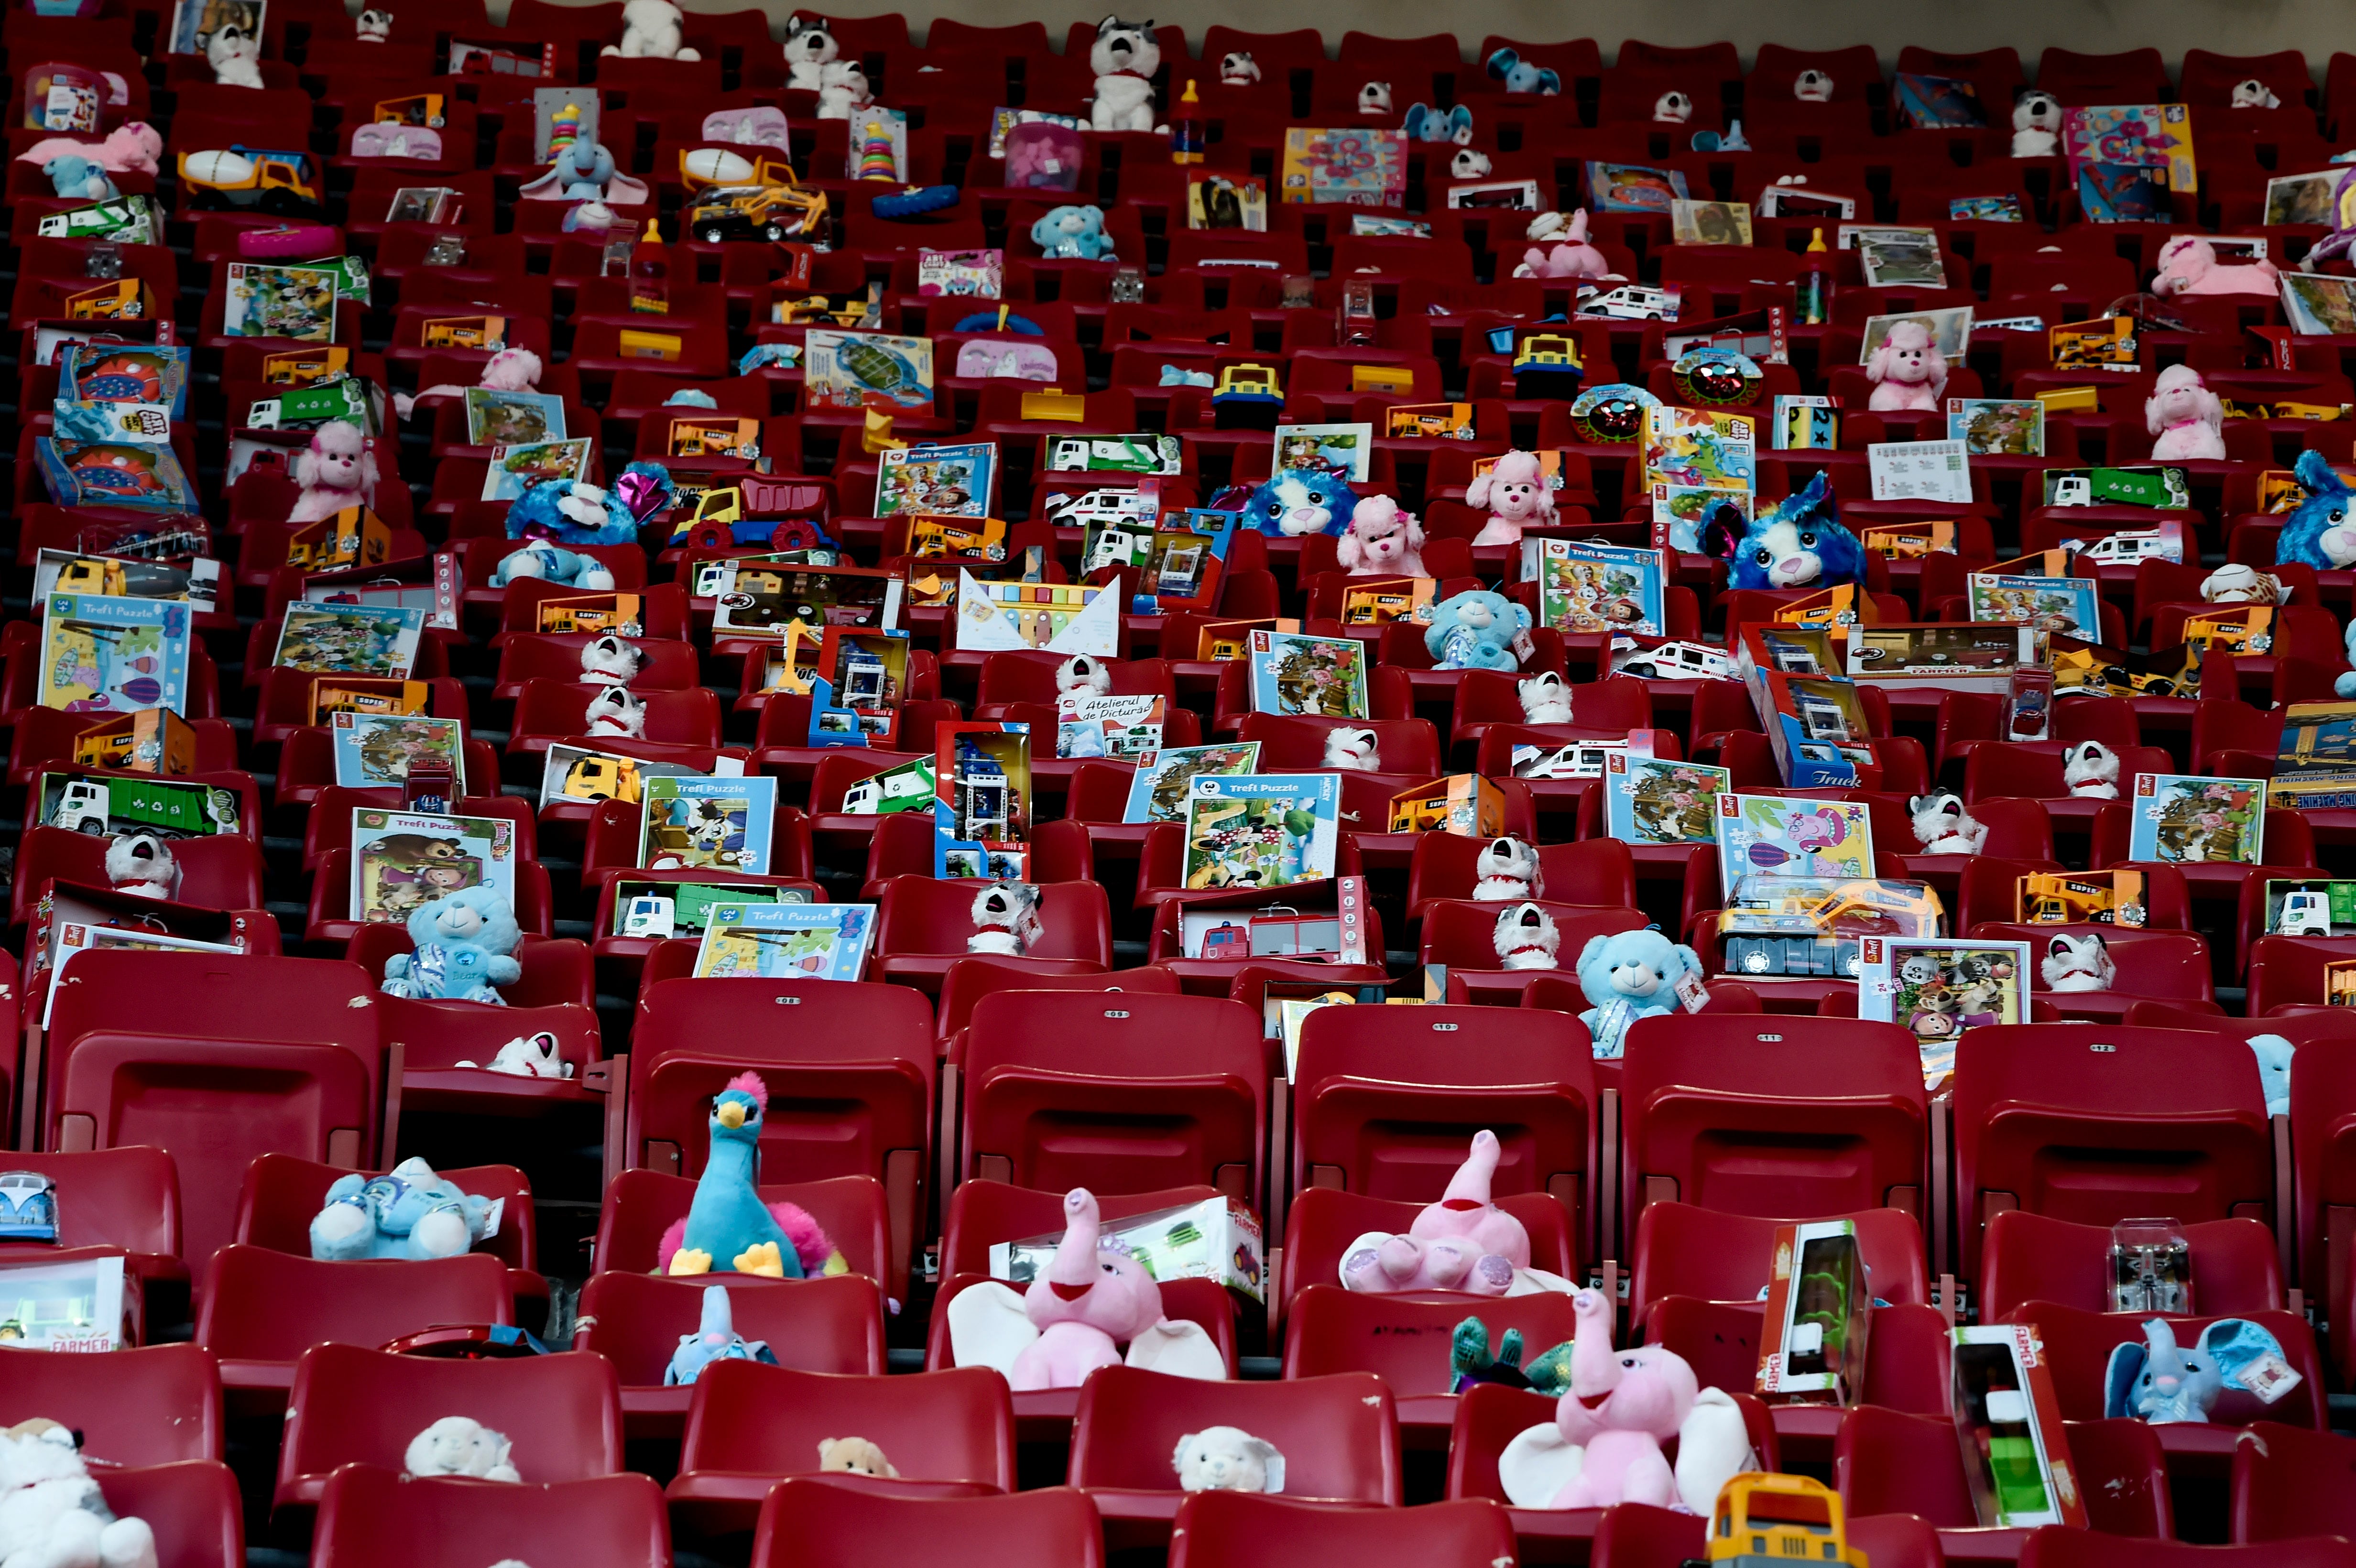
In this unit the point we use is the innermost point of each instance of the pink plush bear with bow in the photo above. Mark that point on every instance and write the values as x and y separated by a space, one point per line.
1464 1242
1515 493
1089 1299
2185 418
1908 372
1381 541
2189 265
335 470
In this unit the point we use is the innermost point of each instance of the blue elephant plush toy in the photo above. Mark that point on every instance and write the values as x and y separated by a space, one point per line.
2274 1053
714 1340
79 178
463 942
1476 631
582 169
1298 502
1797 543
1629 976
407 1212
2167 1384
545 562
1073 233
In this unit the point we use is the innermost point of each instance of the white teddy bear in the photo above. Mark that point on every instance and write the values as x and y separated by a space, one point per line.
1228 1459
52 1515
650 31
460 1446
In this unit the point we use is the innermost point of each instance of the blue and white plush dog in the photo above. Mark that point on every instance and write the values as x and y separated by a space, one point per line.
1299 502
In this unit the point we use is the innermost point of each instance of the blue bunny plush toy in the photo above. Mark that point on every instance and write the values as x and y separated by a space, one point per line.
1797 543
1073 233
1476 630
407 1212
1297 502
463 946
1628 976
2320 531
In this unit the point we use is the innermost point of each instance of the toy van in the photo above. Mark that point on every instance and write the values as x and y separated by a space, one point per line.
2120 550
1631 301
1678 661
28 1207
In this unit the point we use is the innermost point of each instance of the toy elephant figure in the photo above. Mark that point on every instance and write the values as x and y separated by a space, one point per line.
1463 1241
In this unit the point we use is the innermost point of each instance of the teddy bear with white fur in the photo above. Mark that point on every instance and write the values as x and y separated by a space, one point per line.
142 865
335 470
1006 919
53 1514
2234 583
650 31
1228 1459
1381 541
1526 937
1943 826
610 661
460 1446
1351 750
1546 699
1508 870
2090 771
615 711
2078 964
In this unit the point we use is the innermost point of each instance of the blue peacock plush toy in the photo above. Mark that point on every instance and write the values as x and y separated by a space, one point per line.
727 1220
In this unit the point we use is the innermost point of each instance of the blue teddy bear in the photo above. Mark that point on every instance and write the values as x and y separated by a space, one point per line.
1629 976
1298 502
1073 233
79 177
1797 543
1476 631
407 1212
463 942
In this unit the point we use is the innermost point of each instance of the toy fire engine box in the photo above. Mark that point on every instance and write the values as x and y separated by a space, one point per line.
2016 1455
1960 655
2091 898
862 678
2151 1267
353 537
1817 732
1467 805
981 802
1218 1238
624 614
154 741
1820 1310
83 1303
366 693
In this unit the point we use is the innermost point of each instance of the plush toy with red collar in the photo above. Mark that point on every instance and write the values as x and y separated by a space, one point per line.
1125 56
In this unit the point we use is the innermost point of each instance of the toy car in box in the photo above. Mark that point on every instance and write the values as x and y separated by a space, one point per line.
2091 898
2318 908
28 1207
1673 660
1467 805
1818 1318
1810 926
1967 655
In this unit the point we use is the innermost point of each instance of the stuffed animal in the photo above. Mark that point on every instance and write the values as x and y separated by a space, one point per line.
235 57
2189 265
136 147
335 470
2274 1053
610 660
615 710
2251 93
1294 503
463 946
2185 418
1238 69
2035 125
585 172
2090 770
1381 541
1546 699
571 512
1506 870
1092 1296
2344 684
508 370
528 1056
1908 372
1425 123
2166 1385
460 1446
1672 108
2318 532
1797 543
1124 56
1073 233
1374 98
2234 583
1572 254
843 91
810 47
1478 630
1943 826
2077 963
1526 937
1614 1411
1006 919
852 1457
1352 751
1461 1242
76 176
1812 86
543 561
1516 493
142 865
53 1514
715 1340
650 31
407 1212
1228 1459
728 1229
1083 675
372 25
1518 75
1469 164
1628 976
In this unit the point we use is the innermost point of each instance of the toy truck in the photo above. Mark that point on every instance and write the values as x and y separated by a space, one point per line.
259 178
1763 1521
2313 909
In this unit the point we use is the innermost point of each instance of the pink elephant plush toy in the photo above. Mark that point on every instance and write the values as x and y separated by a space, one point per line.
1093 1296
2189 265
1620 1408
1908 372
1464 1242
1516 493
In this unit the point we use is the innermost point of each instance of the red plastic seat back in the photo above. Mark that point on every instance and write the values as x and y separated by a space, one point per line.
2057 1546
1342 1431
1489 1415
1323 1221
2236 1268
2289 1482
370 1517
1298 742
983 1214
965 984
953 1426
1682 1249
1906 1367
922 915
2078 1345
1238 1530
1333 1330
265 1305
159 1405
127 1198
640 1205
833 1325
1887 1461
1463 936
804 1520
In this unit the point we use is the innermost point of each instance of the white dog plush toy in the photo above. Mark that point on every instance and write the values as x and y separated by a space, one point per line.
1545 698
1508 869
2036 126
1944 826
1083 675
528 1056
2078 964
610 661
1469 164
1374 98
2091 770
1228 1459
615 711
1353 749
2251 93
1672 108
235 57
1526 937
1238 70
459 1445
140 864
810 47
2234 584
1812 86
650 31
1006 919
52 1515
1125 56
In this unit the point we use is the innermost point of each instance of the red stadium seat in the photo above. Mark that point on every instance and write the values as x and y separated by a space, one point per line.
2236 1268
1887 1461
806 1521
151 1407
260 1310
2056 1546
192 1506
2078 1346
1323 1221
636 1321
640 1205
370 1517
1333 1331
1681 1250
1237 1530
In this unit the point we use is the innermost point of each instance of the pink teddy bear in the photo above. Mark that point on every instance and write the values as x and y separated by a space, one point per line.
508 370
133 147
2189 265
1573 256
1515 493
335 470
1464 1242
1908 372
2185 418
1381 541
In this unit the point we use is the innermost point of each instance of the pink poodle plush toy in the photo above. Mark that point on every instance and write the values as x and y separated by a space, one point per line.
1515 493
2184 417
1464 1243
1381 541
2189 265
1573 255
1906 371
508 370
335 470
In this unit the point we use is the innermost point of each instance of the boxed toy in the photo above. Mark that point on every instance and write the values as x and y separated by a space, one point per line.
1063 618
1218 1239
402 860
1908 541
1467 805
577 775
621 613
1122 727
862 677
958 481
981 802
2159 486
761 599
1379 601
1165 780
1354 164
1188 561
2151 1267
707 824
1819 1317
1326 922
1937 988
2091 898
1812 927
1784 836
2048 604
366 693
1321 677
2191 819
1652 800
793 941
1259 831
86 1303
1818 732
664 908
2015 1451
1223 641
151 741
1972 656
2339 983
349 639
109 807
1602 588
112 656
373 750
2310 907
353 537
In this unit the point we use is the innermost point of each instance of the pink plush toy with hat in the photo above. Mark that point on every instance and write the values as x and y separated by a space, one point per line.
2185 418
2189 265
1571 256
1516 493
1381 541
508 370
335 470
1464 1243
1908 372
131 149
